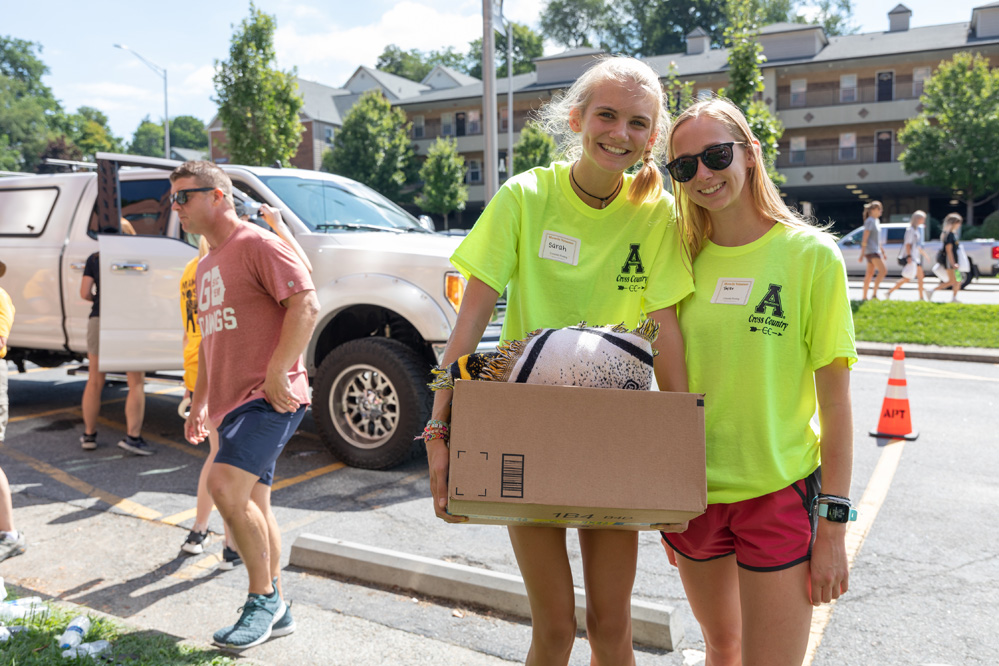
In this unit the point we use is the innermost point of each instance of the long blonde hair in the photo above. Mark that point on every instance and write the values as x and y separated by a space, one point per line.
694 222
949 223
554 117
868 206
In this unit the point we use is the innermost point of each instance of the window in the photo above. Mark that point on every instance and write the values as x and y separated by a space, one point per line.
797 150
447 124
848 89
705 93
799 88
145 205
504 119
418 127
329 135
26 212
919 76
474 122
474 172
848 146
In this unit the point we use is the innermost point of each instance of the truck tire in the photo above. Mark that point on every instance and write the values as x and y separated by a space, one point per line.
370 399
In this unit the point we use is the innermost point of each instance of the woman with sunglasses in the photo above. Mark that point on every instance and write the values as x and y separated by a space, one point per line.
768 332
610 224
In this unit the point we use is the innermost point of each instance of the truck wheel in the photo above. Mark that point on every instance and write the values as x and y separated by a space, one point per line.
370 399
966 278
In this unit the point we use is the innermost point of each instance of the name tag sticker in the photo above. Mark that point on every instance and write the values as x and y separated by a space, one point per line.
732 291
559 247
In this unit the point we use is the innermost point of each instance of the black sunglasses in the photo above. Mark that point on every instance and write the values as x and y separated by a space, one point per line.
716 158
180 196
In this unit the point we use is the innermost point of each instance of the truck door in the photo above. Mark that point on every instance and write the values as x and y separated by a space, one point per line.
141 324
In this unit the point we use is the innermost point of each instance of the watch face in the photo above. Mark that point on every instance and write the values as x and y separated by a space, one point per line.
838 513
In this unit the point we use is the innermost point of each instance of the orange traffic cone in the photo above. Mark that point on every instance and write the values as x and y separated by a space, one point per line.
895 421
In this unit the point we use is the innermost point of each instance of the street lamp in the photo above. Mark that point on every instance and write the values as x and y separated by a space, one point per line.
166 115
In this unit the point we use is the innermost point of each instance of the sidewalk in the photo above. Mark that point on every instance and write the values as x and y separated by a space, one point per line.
138 579
969 354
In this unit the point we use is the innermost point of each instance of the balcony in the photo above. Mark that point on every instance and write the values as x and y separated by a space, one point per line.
821 108
833 166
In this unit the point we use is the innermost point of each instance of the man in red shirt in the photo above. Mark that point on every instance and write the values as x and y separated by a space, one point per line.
257 308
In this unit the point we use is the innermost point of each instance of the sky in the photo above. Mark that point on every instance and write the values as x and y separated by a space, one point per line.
325 39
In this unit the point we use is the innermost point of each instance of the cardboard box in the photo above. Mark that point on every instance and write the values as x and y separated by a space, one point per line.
526 454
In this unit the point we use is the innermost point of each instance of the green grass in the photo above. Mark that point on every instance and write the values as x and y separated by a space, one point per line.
37 646
944 324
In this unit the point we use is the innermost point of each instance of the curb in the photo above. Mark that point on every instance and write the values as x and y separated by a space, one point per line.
652 625
968 354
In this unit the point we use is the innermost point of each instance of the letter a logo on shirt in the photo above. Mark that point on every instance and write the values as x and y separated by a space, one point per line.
633 261
771 300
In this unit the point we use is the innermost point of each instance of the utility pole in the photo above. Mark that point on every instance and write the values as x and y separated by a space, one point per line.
490 163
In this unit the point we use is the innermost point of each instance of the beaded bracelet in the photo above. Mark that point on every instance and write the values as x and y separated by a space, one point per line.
437 429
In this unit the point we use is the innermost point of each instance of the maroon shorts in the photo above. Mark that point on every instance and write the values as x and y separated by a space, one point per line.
766 533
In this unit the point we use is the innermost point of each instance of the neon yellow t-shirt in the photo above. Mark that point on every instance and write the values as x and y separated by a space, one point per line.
563 262
753 353
6 319
189 313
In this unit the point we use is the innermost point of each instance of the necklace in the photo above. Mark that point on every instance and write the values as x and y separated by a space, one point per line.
602 200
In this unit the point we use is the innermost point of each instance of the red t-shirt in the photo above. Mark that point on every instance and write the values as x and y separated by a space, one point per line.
241 284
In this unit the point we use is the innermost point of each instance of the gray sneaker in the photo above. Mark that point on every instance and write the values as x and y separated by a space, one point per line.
88 442
13 547
136 445
258 615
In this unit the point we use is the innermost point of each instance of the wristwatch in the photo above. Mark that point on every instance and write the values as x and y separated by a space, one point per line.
837 512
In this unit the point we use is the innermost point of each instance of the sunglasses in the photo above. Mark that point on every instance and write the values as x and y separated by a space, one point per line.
716 158
180 196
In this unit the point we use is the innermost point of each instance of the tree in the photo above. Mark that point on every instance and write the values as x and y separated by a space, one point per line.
258 104
27 107
833 15
953 142
527 45
571 23
373 146
58 148
443 176
148 139
90 130
415 64
188 132
679 94
745 55
533 148
656 27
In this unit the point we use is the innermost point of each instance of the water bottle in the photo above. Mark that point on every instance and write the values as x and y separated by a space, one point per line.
75 632
25 607
86 649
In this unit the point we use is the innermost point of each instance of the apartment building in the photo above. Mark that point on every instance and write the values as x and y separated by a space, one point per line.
842 99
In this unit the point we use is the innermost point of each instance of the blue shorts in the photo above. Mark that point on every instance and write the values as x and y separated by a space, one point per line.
252 436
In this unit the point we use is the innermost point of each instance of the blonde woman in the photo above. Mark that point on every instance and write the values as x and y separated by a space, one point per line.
612 118
870 248
947 256
770 307
913 252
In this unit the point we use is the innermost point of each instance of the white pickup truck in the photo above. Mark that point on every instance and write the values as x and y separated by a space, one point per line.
983 254
388 294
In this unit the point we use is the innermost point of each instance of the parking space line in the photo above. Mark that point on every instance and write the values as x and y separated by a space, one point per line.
874 496
284 483
38 415
178 518
196 451
199 567
128 506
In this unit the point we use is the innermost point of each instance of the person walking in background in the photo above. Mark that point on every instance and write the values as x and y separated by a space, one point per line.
912 254
770 545
947 256
257 308
870 248
135 403
611 119
194 544
12 542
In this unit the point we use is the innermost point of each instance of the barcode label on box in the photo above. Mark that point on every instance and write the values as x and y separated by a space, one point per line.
513 475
